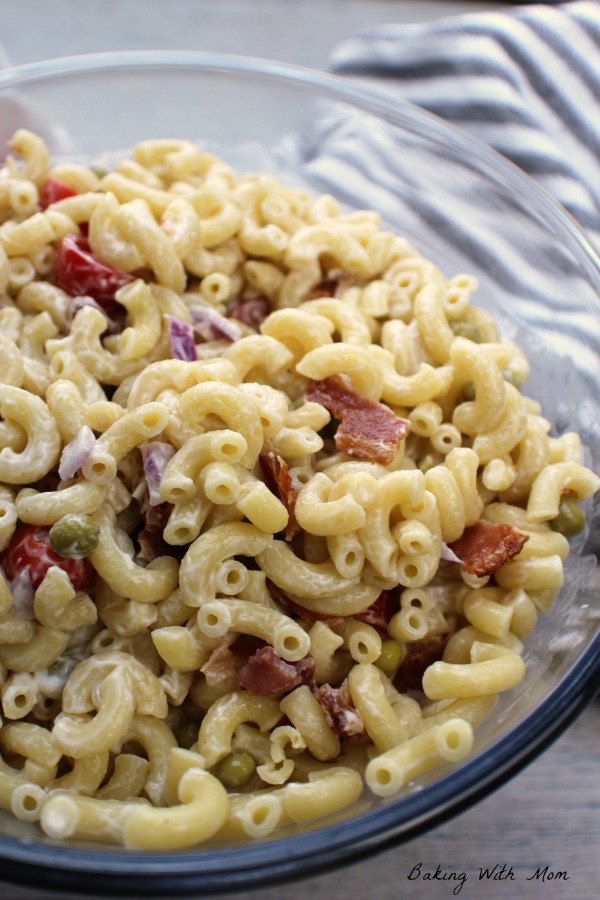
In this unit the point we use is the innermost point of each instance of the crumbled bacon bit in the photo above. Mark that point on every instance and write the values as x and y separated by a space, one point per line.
277 478
268 675
222 665
325 288
367 430
342 716
419 656
251 311
379 613
484 547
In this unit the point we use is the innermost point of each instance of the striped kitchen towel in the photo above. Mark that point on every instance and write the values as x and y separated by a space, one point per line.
525 81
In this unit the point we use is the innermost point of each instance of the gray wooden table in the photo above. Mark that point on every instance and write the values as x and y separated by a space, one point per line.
549 814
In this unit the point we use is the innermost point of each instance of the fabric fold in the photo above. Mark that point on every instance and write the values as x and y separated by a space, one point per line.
527 82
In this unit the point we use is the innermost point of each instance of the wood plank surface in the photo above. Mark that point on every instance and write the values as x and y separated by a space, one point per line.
548 815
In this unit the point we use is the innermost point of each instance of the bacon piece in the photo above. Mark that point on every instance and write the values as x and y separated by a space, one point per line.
251 311
277 594
484 547
308 615
155 517
419 656
228 658
222 665
379 613
268 675
305 669
331 287
342 716
367 430
277 478
152 544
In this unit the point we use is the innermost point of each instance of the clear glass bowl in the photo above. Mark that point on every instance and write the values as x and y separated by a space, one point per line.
467 209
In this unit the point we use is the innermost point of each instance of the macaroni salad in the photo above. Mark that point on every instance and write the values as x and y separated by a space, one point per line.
276 519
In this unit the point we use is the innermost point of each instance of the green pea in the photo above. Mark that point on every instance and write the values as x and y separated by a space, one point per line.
570 519
61 668
427 463
187 734
235 770
465 328
74 536
468 391
57 667
390 658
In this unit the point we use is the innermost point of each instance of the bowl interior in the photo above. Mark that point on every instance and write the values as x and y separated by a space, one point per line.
464 208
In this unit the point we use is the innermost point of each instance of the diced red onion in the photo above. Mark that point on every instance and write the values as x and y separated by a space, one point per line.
212 326
22 593
181 337
78 303
76 452
155 456
448 555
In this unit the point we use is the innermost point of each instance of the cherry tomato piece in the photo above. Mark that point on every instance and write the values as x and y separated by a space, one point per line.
54 190
81 274
29 548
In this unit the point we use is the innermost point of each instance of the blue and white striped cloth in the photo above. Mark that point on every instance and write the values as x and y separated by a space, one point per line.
525 81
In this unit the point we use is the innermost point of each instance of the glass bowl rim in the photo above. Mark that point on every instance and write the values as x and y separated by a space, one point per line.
307 854
395 110
252 866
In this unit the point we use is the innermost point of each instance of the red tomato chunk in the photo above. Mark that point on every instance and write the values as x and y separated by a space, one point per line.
54 190
29 549
81 274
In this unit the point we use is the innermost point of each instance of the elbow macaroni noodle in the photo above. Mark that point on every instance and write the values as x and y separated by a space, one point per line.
256 597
